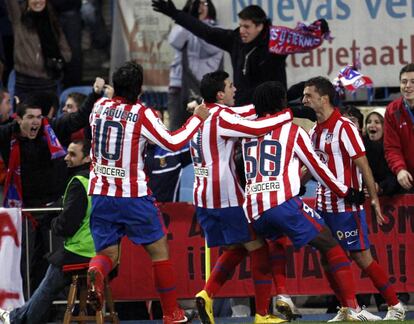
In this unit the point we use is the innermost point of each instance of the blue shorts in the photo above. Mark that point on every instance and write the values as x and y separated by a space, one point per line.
114 217
349 228
294 218
225 226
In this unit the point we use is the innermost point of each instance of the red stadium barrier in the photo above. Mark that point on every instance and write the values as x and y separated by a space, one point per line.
392 245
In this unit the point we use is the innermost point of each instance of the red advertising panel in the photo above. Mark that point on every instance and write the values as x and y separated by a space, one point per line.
391 245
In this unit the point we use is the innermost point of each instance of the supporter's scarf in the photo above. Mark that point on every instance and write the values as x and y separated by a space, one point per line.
351 80
56 149
284 40
13 185
13 193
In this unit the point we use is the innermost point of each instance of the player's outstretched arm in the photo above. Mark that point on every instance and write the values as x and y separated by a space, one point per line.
156 132
232 125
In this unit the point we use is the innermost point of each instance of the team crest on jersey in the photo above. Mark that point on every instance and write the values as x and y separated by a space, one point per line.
322 156
328 138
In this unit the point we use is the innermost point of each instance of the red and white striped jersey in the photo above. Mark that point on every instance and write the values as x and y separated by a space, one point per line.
212 148
337 143
272 168
120 133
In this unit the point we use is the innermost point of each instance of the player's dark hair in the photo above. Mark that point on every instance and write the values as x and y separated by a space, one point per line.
407 68
269 97
211 84
255 14
323 87
128 81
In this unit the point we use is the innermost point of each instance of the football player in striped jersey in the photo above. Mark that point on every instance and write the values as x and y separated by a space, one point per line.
218 195
122 203
272 166
339 145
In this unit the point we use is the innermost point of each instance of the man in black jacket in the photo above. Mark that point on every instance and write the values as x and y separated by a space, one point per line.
247 45
71 224
42 177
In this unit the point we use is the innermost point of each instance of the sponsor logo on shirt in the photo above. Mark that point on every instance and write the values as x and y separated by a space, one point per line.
259 187
201 172
108 171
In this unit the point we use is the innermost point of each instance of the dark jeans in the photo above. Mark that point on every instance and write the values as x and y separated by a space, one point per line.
36 243
71 23
36 309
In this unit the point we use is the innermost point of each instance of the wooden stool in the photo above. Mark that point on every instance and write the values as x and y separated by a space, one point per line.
79 283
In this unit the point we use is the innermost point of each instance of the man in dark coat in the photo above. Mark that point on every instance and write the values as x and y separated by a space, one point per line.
247 45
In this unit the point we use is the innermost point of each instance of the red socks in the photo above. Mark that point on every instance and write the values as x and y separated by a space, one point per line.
165 284
334 286
278 262
101 262
262 278
342 278
225 264
380 281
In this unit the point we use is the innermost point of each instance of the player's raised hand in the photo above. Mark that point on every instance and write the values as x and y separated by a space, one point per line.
191 106
109 91
201 111
99 84
165 7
